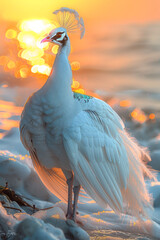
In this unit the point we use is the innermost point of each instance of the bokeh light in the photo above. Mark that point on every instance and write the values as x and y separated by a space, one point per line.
38 26
138 115
75 84
75 66
11 64
55 49
152 116
31 58
11 33
24 72
31 52
125 103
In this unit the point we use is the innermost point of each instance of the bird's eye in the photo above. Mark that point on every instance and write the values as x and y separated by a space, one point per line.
58 35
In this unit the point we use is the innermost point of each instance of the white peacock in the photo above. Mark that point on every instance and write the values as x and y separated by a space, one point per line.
77 141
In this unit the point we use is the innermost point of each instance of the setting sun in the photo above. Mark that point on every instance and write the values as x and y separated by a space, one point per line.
29 34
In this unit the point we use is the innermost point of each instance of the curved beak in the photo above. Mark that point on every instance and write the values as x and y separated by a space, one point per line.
46 39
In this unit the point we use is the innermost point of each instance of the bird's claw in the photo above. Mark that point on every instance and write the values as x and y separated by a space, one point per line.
69 216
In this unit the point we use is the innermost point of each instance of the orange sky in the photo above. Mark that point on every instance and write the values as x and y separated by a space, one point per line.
92 10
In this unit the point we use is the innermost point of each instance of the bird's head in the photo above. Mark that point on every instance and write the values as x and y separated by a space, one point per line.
68 21
57 36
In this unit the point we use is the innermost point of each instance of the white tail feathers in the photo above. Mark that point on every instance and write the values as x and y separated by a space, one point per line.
136 195
53 179
70 20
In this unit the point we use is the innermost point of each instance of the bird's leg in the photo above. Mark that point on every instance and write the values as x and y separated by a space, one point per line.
76 190
69 208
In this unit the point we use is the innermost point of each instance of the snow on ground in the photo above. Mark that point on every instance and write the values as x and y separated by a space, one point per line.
28 223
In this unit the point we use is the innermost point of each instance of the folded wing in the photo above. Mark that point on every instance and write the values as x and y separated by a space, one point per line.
105 161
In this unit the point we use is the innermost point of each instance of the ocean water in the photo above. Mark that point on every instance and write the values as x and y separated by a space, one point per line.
120 60
123 60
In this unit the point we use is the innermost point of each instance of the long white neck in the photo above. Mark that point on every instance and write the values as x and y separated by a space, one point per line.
60 79
58 86
66 48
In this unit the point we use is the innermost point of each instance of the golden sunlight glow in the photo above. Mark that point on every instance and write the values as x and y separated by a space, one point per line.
55 49
4 60
151 116
34 69
27 39
80 90
11 64
55 216
11 33
4 86
37 61
8 109
75 66
138 115
75 84
12 159
38 26
8 124
134 114
32 58
44 69
24 72
104 212
5 115
109 10
2 135
125 103
155 184
32 54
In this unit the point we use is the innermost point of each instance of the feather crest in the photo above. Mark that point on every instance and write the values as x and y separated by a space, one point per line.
70 20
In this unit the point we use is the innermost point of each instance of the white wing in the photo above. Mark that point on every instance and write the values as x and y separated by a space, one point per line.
53 178
103 159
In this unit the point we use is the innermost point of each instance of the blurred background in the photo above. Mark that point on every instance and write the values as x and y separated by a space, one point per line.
118 59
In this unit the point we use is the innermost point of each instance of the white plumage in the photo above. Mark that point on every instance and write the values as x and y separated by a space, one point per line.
68 133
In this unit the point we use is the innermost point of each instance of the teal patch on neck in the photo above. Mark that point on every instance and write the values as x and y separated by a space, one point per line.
80 96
